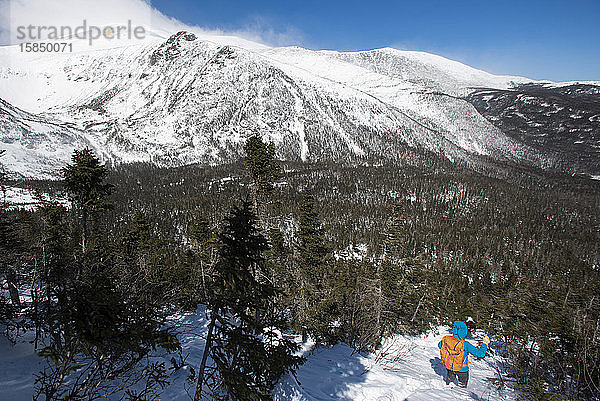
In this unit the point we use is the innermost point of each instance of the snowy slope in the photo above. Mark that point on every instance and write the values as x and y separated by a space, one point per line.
410 370
23 198
194 98
36 145
417 70
18 364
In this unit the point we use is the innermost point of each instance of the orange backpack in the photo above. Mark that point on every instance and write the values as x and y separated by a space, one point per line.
452 353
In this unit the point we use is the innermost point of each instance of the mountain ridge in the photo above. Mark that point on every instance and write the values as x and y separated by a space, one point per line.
188 100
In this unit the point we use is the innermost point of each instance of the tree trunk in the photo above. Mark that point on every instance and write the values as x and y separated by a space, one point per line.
204 295
379 304
13 289
417 310
84 228
205 353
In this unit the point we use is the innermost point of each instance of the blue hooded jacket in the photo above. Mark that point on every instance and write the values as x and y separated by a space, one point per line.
460 331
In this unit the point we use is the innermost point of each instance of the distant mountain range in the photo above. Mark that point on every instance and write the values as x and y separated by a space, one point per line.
190 98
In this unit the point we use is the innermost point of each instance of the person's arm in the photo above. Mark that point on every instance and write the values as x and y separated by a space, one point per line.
477 352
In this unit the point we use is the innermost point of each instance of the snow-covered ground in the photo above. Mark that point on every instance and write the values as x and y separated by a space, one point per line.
23 198
18 364
406 368
409 369
18 197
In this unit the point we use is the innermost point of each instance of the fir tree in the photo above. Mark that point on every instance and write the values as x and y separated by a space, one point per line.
244 338
10 249
264 171
318 308
98 329
406 289
85 183
55 267
259 160
200 259
313 249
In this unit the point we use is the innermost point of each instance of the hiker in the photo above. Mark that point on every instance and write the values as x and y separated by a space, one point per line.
454 351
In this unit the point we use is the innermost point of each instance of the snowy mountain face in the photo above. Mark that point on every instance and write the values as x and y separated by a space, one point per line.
188 99
35 145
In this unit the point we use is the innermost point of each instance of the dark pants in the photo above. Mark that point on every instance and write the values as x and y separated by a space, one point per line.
463 377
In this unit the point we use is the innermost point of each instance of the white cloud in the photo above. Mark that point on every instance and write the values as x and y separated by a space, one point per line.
103 13
72 13
262 30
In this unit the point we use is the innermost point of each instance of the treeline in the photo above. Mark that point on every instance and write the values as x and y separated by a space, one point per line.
347 253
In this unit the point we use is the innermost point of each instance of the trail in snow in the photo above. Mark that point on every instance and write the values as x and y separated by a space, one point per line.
407 369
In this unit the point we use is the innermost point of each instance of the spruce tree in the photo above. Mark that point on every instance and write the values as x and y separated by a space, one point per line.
200 258
98 327
244 340
313 249
260 163
55 268
407 289
10 248
318 308
84 181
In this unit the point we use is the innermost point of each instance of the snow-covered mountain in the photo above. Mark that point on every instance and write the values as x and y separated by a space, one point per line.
189 98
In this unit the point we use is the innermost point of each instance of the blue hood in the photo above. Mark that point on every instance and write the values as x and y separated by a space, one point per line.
459 330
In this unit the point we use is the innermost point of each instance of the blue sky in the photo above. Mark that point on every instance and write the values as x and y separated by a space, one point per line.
557 40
